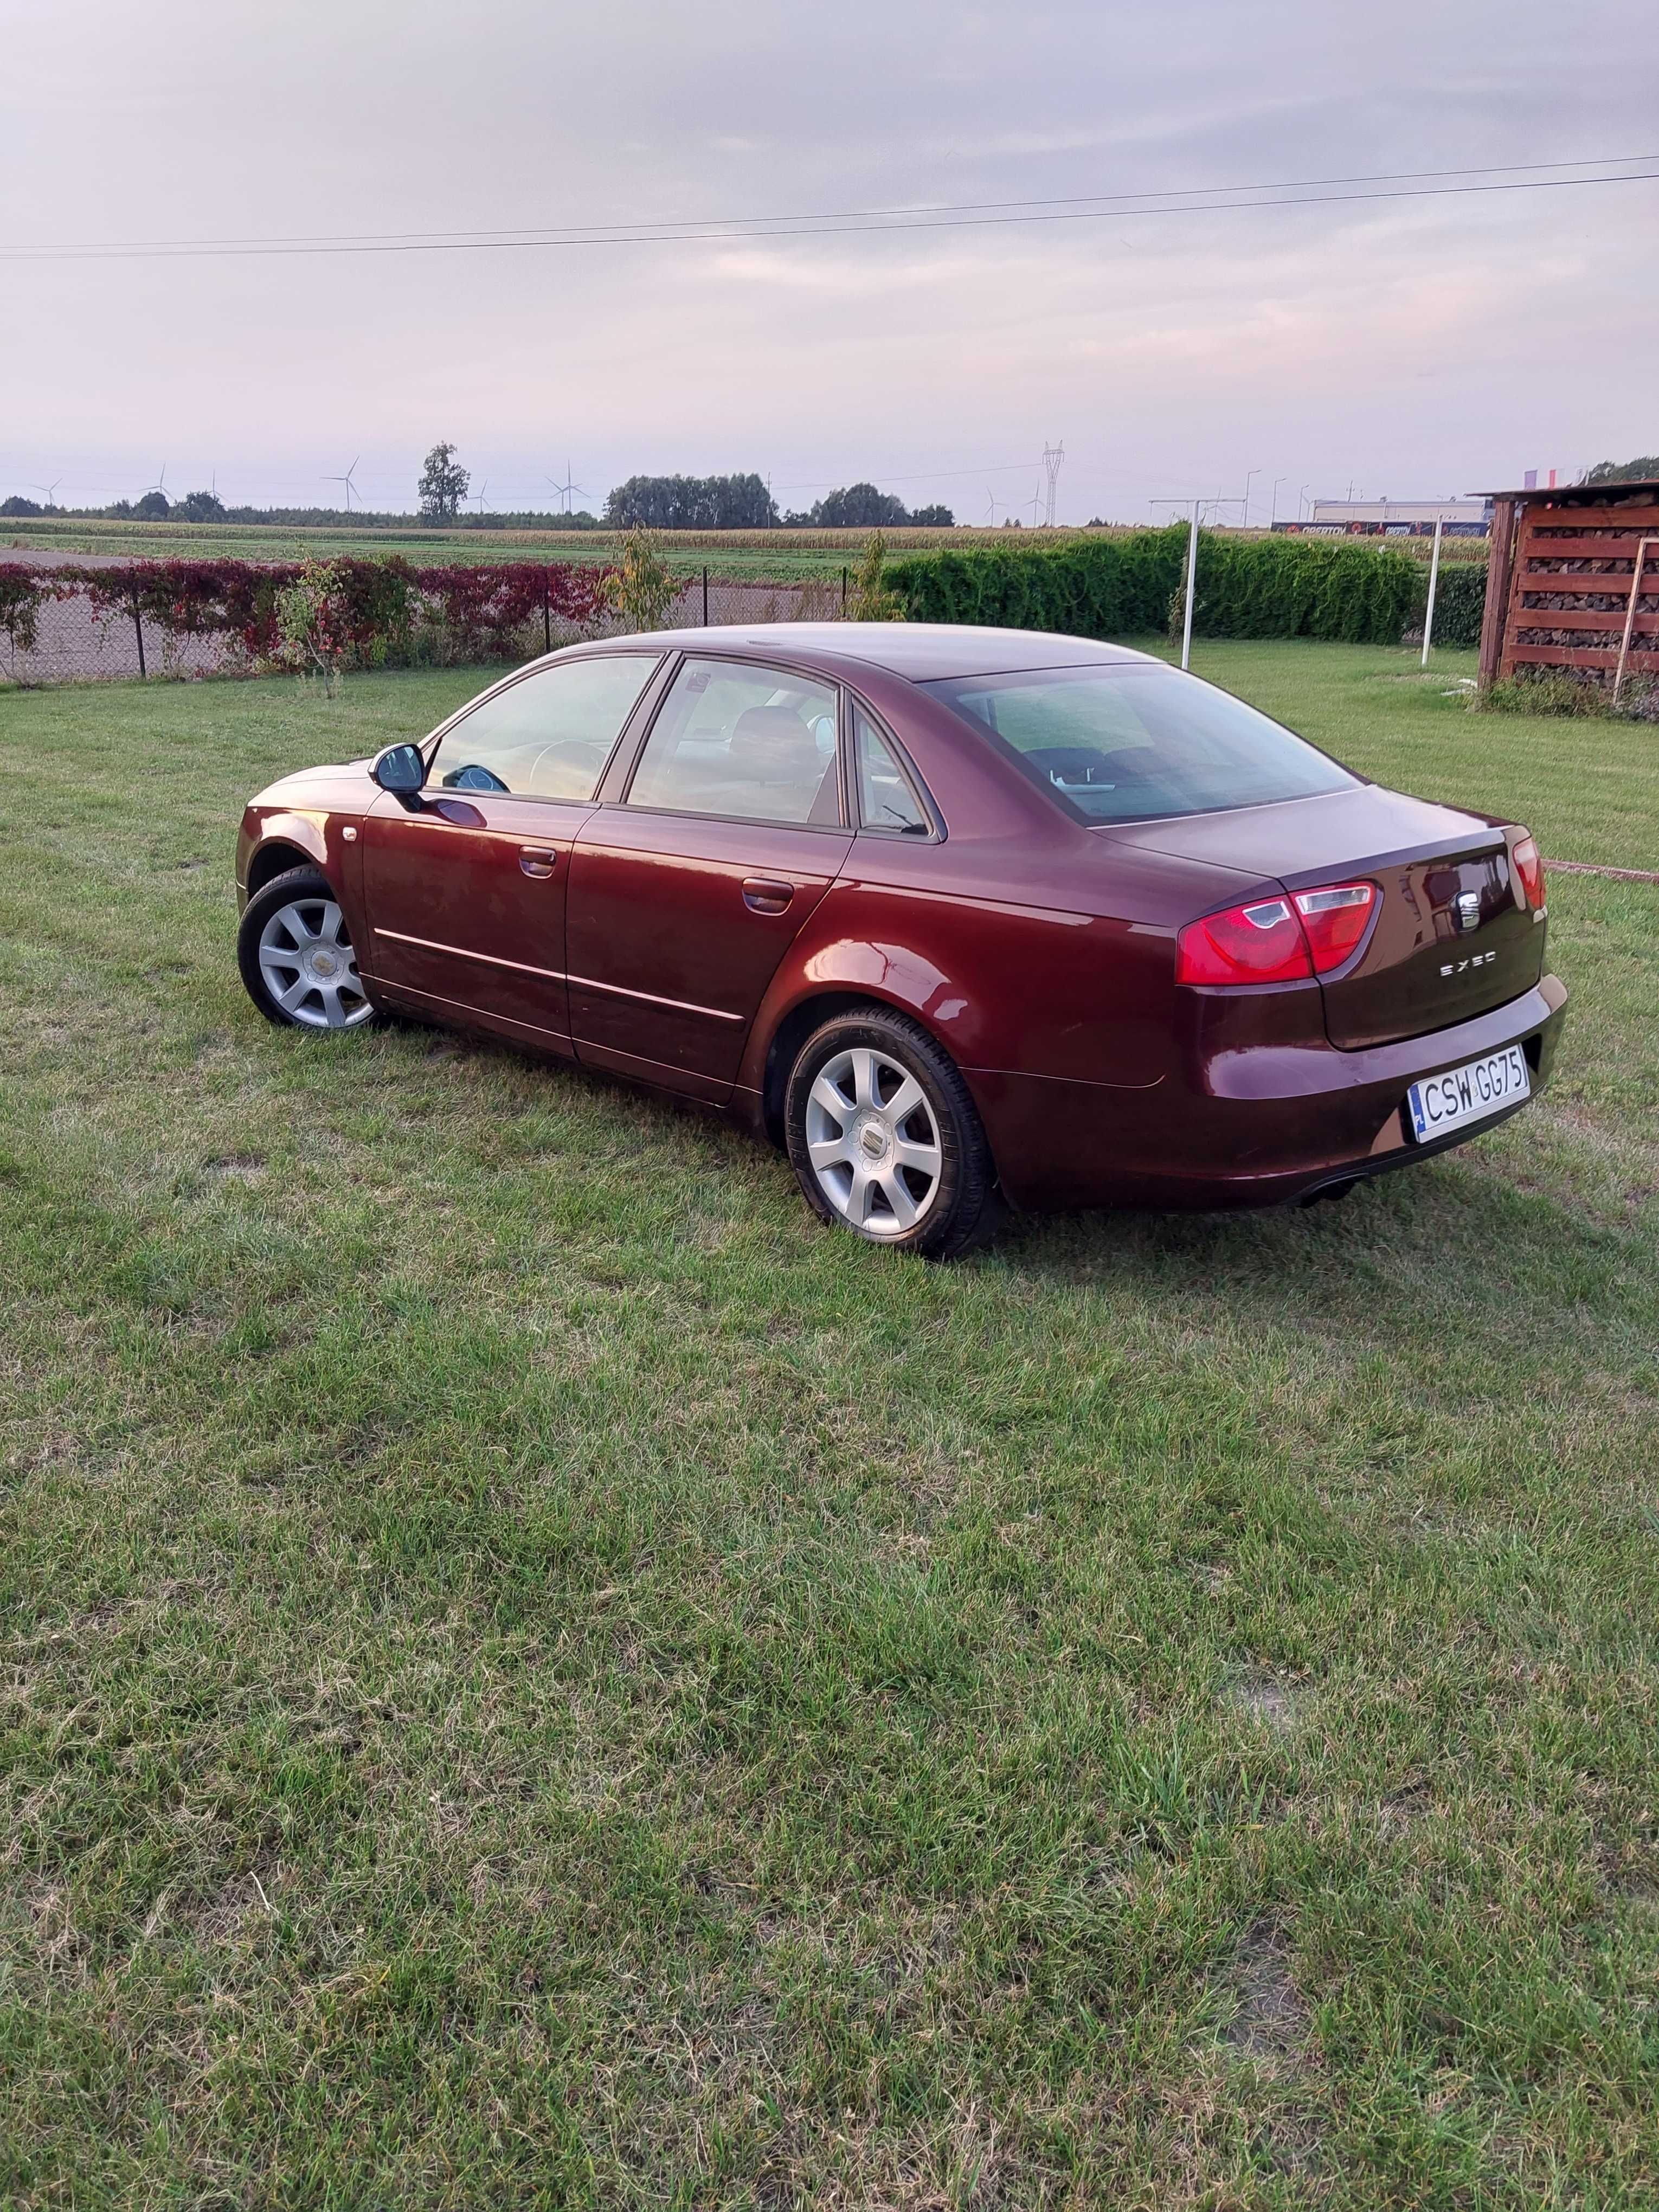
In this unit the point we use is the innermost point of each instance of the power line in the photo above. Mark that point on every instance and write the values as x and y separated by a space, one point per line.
739 230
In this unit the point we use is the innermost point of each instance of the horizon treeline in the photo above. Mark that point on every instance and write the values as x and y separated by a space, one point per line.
658 502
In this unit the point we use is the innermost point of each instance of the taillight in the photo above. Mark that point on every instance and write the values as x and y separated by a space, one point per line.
1529 868
1281 940
1335 921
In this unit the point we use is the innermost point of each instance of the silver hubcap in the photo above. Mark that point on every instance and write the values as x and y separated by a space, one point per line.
309 966
873 1142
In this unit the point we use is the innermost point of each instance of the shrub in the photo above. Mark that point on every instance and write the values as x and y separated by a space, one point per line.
871 600
21 591
1459 602
642 590
314 620
1125 587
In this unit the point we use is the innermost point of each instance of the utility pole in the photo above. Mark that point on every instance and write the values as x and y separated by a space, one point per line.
1052 457
1245 523
1273 518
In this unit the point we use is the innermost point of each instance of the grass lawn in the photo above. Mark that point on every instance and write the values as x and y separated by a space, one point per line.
533 1675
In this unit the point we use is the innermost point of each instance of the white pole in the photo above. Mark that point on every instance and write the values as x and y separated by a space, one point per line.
1434 578
1191 572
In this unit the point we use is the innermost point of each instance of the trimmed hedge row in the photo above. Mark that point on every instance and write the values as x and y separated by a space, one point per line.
1130 586
1460 601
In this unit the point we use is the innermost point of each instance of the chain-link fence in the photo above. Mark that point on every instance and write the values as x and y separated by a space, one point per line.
74 643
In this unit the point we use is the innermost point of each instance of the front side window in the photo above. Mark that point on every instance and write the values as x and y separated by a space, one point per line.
1132 744
548 736
756 744
886 799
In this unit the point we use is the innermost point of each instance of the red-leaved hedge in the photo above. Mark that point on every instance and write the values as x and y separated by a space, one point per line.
480 612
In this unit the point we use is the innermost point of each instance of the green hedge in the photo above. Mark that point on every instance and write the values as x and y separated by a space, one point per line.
1129 586
1460 601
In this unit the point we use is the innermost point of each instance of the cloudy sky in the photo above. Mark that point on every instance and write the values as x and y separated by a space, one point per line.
1424 345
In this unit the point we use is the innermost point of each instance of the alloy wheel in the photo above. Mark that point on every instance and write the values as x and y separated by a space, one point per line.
308 967
873 1141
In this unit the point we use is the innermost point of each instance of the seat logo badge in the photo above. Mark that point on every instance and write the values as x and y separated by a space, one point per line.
1468 910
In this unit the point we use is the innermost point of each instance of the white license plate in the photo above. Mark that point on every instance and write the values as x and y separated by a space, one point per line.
1468 1093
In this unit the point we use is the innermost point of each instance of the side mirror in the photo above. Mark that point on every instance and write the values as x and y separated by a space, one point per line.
400 769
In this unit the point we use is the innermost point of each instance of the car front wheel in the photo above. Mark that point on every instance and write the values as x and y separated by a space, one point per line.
294 952
885 1137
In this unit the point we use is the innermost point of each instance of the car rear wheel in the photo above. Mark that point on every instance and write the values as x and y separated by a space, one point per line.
885 1137
294 952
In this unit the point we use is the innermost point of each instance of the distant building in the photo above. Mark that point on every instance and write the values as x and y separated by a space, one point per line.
1393 518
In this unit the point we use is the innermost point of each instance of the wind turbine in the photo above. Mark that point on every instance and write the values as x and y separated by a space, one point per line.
159 485
569 487
51 491
481 494
992 504
346 481
1037 508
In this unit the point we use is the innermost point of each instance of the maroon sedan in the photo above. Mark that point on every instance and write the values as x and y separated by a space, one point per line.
955 914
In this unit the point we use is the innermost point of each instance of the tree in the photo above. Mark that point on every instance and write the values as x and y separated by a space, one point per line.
200 507
931 517
18 505
860 507
443 485
154 506
1645 467
737 502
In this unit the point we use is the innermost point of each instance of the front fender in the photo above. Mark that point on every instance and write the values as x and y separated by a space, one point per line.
318 833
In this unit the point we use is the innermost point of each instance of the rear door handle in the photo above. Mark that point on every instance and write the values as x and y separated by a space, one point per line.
766 894
536 859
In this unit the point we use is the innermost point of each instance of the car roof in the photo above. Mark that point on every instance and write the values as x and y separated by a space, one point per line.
919 651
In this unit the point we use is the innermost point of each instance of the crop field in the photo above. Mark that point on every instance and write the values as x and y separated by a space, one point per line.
533 1674
739 555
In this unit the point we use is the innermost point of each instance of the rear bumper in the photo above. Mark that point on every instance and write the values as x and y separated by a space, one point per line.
1244 1125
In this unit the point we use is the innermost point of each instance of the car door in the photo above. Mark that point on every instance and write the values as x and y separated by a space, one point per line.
685 893
466 890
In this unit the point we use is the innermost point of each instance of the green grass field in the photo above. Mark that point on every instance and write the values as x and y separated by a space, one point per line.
531 1674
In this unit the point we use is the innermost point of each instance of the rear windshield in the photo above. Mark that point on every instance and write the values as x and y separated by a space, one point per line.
1130 744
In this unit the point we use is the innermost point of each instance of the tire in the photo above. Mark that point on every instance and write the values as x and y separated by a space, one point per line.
295 952
884 1137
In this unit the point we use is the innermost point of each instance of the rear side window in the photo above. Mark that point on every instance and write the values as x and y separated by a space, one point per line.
753 745
548 736
886 799
1134 744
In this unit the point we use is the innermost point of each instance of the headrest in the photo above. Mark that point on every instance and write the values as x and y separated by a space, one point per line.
773 744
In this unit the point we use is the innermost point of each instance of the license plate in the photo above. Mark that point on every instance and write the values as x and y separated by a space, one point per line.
1468 1094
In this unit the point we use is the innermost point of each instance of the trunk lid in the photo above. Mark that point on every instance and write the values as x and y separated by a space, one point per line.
1453 936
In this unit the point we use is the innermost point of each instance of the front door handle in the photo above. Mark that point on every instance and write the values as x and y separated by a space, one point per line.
536 859
766 894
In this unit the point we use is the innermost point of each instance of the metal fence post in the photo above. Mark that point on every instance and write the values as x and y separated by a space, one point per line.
1192 573
1434 578
844 594
705 597
138 632
547 607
